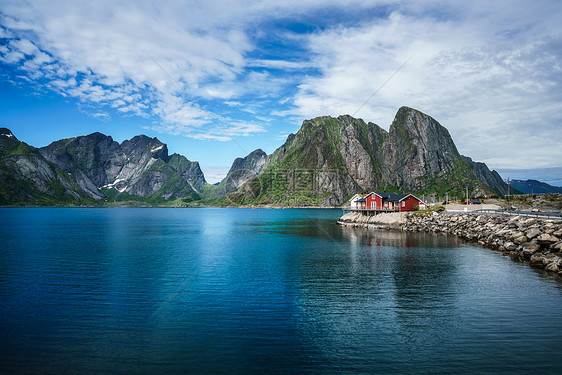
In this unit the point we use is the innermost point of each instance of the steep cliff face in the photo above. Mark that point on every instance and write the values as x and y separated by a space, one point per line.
241 171
324 163
490 178
28 178
139 167
329 159
416 148
319 165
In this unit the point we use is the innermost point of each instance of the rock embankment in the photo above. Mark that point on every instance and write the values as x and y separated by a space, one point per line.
525 239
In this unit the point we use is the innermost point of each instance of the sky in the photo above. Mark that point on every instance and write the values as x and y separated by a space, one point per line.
216 80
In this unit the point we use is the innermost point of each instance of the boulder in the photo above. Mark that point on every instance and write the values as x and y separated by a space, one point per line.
553 263
510 246
520 240
517 234
537 260
547 239
532 233
529 250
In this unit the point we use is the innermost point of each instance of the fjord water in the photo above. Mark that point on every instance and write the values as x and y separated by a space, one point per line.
167 291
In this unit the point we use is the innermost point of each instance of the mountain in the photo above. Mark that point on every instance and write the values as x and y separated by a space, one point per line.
242 170
490 178
329 159
136 169
534 187
28 178
324 163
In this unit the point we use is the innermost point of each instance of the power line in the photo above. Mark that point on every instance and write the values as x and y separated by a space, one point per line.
380 88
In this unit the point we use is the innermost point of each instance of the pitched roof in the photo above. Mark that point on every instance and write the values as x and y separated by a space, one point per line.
391 197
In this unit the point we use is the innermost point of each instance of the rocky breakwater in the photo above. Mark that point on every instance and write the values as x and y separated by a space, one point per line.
526 239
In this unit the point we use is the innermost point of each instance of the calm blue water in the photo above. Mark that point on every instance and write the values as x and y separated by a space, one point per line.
170 291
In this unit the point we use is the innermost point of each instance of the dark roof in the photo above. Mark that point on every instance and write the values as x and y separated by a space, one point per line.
391 197
360 200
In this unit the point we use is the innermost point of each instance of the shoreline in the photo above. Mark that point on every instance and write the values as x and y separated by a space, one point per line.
534 241
149 206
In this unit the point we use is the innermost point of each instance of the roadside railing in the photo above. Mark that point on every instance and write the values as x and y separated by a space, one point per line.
545 215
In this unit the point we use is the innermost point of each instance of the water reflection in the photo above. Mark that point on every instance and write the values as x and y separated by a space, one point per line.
258 291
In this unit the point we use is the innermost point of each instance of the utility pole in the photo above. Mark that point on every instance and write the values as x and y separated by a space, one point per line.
467 195
508 190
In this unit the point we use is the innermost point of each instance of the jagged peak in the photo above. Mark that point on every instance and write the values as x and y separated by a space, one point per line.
258 152
144 139
414 121
7 133
95 135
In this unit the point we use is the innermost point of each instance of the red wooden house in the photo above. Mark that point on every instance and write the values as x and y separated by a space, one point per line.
383 201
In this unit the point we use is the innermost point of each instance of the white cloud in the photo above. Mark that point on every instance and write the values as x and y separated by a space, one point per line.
4 33
492 78
111 52
488 71
214 174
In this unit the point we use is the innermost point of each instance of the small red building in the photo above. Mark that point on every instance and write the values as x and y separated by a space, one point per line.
472 201
383 201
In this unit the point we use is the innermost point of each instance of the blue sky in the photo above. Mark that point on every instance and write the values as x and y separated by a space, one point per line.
217 79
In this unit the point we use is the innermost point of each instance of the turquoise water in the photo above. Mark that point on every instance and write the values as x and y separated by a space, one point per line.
170 291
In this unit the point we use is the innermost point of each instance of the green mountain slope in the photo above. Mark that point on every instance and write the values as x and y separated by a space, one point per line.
27 178
329 159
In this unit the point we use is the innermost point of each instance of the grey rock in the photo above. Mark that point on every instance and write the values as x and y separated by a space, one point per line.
26 177
532 233
547 239
537 260
520 240
242 171
139 167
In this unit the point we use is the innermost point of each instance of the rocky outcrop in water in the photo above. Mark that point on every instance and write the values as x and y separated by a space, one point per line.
526 239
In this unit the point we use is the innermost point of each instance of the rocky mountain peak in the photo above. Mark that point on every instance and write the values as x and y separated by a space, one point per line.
417 146
142 143
242 170
6 132
7 140
417 125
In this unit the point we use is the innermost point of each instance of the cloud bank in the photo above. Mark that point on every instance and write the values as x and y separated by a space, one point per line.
215 70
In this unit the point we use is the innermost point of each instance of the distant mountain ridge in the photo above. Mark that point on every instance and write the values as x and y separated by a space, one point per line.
139 167
27 177
93 168
324 163
534 187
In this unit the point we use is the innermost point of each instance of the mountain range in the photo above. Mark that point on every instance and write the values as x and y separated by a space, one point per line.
534 187
324 163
